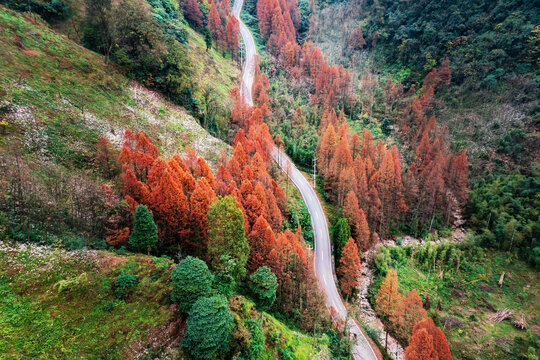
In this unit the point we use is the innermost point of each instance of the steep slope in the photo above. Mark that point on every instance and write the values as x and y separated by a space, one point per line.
56 100
54 94
491 105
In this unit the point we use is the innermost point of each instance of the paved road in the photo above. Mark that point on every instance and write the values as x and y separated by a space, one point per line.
323 252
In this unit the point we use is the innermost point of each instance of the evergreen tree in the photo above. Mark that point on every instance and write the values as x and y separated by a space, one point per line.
144 235
208 327
191 280
341 233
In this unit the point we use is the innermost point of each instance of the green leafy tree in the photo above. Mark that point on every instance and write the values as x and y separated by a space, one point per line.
208 327
191 280
144 235
263 285
226 235
341 233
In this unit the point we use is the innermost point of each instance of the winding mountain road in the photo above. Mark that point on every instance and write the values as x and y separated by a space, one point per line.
323 252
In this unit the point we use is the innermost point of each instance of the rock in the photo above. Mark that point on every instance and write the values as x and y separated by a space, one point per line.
451 322
485 287
457 293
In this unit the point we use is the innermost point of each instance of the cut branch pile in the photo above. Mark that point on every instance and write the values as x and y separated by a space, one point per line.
520 323
500 315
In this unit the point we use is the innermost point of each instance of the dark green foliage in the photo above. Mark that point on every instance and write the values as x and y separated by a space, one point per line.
512 143
144 235
340 346
227 236
191 280
256 346
51 10
123 284
341 233
482 38
286 354
208 327
224 282
505 210
263 285
142 43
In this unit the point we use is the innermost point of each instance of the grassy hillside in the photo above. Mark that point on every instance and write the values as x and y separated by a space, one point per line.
65 304
57 97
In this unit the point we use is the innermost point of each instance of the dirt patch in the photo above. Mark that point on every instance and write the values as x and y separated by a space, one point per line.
110 262
451 322
30 52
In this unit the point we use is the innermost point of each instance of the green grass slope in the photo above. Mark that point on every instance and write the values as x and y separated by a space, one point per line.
57 304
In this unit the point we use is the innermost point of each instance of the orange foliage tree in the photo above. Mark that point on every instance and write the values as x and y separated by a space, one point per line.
427 342
349 267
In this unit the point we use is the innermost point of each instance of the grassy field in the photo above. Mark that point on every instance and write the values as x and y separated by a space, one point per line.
468 297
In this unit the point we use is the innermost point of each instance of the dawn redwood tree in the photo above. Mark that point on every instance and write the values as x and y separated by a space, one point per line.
263 285
214 25
327 148
356 40
421 347
171 208
388 296
107 158
144 235
200 204
349 267
427 342
408 313
227 234
232 31
208 327
193 14
191 280
261 241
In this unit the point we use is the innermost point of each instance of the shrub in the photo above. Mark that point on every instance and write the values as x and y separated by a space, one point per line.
263 284
124 284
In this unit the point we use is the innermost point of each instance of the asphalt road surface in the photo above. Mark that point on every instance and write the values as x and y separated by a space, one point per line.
323 252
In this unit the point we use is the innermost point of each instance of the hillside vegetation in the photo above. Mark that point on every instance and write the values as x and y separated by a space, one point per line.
56 100
73 304
460 285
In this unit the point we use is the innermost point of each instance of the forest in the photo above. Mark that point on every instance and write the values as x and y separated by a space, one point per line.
373 195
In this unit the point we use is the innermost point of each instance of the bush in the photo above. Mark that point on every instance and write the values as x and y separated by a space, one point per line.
124 284
256 345
263 285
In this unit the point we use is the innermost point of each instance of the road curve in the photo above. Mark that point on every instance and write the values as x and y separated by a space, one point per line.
323 252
